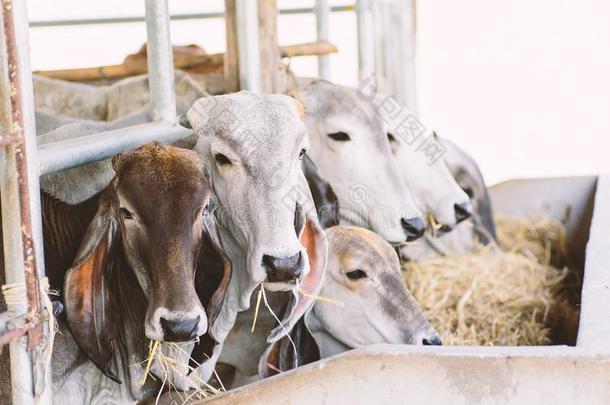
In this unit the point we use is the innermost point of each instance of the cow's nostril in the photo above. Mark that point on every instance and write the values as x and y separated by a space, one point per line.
282 269
414 227
463 211
181 330
435 341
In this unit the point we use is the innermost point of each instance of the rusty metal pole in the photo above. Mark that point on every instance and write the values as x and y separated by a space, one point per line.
20 193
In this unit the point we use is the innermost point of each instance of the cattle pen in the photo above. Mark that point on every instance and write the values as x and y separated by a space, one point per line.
377 374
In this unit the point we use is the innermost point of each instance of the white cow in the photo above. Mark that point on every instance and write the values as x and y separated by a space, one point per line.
350 149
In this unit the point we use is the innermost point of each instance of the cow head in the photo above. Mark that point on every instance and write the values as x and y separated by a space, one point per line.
468 176
430 182
137 265
350 149
363 274
252 146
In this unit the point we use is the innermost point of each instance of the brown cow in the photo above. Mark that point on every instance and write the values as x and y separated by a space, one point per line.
147 265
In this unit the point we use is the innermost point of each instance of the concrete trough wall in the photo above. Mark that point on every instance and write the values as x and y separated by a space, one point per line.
389 374
490 375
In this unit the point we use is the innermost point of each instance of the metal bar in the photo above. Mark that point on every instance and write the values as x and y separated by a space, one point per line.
248 45
62 155
366 34
404 33
175 17
17 130
160 61
322 12
390 49
379 41
19 191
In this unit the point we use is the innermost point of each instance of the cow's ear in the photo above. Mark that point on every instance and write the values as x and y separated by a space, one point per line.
213 271
289 353
324 197
92 315
212 278
298 107
313 239
279 356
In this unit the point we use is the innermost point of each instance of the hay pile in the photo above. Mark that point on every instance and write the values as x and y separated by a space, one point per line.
497 295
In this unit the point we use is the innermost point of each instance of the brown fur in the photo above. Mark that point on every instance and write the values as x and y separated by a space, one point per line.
167 187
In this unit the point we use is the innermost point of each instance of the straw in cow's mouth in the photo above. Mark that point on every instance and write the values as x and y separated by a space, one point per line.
169 364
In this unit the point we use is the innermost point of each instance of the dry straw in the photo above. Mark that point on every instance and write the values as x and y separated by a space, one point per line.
171 360
495 296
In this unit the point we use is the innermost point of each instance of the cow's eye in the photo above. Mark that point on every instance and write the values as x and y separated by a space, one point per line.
126 214
356 274
222 159
206 211
468 192
391 137
339 136
302 153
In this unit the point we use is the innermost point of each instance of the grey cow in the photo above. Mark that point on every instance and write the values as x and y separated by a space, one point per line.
251 147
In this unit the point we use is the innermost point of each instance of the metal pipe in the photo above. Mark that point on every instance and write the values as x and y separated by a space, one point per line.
62 155
160 61
175 17
20 194
404 33
17 129
379 40
366 34
322 12
246 12
390 50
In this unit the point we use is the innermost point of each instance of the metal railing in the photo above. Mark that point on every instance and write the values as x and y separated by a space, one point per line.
174 17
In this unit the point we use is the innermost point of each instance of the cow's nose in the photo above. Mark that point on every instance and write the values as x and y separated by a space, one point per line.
179 330
462 211
282 269
414 227
434 341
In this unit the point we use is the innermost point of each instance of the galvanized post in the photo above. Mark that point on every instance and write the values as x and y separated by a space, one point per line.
404 33
379 40
322 12
160 61
20 193
366 34
390 49
248 49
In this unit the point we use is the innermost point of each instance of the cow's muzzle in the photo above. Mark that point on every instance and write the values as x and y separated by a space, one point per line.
413 227
463 211
179 330
283 269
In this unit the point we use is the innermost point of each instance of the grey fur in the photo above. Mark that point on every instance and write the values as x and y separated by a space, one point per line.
362 171
254 196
